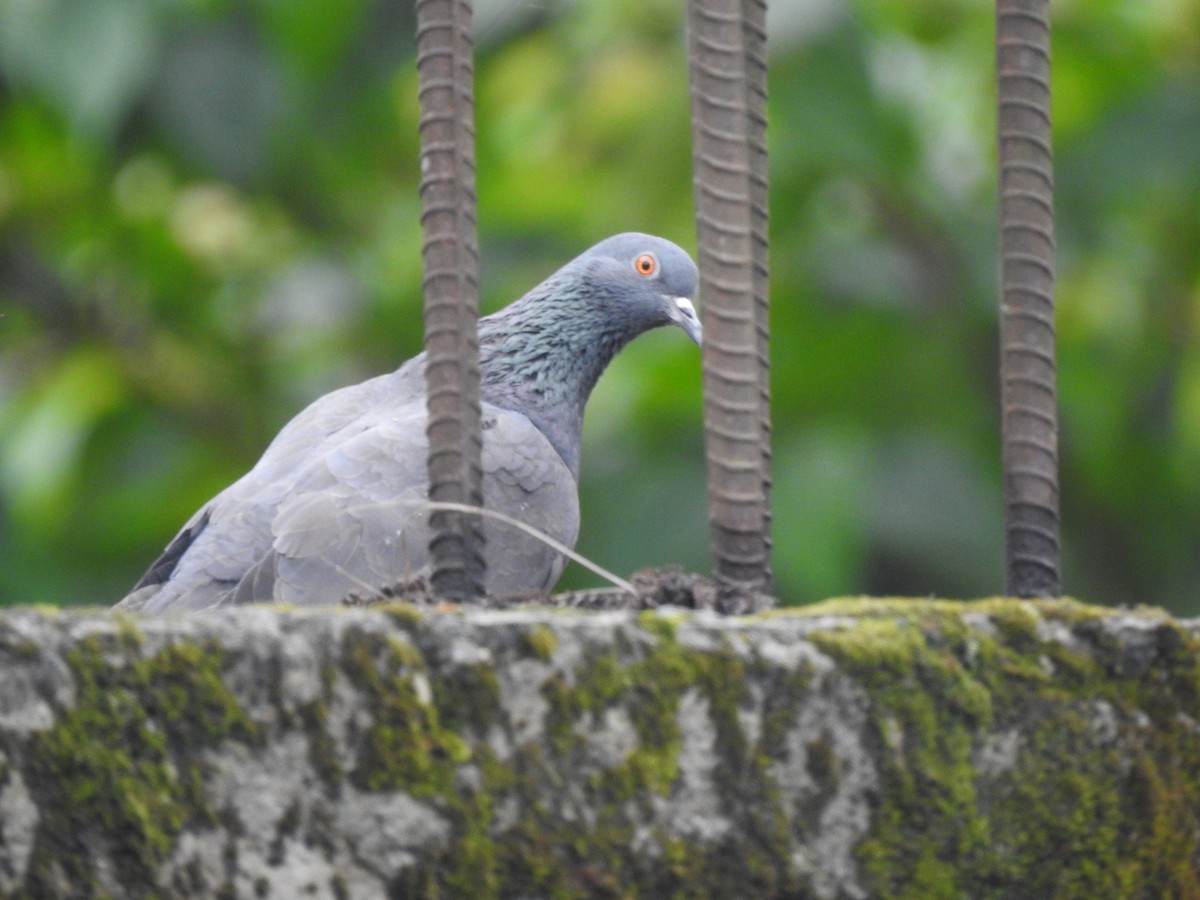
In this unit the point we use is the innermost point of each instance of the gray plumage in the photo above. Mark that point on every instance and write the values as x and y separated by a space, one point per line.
334 504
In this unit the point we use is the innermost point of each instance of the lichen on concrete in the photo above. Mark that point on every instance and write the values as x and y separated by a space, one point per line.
1025 759
859 748
104 774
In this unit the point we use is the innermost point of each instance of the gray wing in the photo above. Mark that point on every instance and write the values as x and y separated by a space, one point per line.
526 479
351 517
358 522
217 547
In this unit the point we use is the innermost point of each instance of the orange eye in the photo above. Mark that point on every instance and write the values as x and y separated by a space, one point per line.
646 264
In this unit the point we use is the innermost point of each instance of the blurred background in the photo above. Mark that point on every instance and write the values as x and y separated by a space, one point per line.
209 216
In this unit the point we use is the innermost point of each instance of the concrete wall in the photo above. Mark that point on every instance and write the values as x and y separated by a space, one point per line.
857 749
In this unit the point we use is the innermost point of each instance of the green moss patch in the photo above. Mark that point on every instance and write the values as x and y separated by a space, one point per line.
647 681
1103 792
405 747
111 773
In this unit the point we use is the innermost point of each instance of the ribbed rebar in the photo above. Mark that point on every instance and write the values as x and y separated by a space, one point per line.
1028 392
451 285
727 53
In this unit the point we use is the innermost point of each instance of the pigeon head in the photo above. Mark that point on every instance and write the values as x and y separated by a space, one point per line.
647 280
543 354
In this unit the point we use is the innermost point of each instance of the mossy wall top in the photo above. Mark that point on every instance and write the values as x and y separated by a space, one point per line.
860 748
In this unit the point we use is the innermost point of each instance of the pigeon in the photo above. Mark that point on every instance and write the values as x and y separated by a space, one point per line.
335 505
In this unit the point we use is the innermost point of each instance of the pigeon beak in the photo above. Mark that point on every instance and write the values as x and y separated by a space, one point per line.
683 314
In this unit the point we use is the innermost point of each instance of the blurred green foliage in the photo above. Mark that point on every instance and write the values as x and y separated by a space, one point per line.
209 216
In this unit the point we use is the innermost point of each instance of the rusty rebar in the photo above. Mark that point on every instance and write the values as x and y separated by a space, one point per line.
727 65
451 286
1028 392
755 32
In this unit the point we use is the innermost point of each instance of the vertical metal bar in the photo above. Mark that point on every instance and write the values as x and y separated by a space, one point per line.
1029 408
727 73
451 285
755 33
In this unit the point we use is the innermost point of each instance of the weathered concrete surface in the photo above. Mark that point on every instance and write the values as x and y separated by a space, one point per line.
856 749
